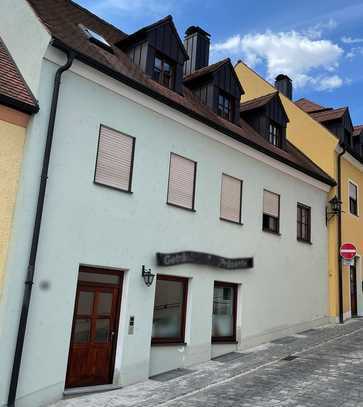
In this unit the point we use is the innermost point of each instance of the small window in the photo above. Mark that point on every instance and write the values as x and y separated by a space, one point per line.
231 199
163 72
96 38
224 312
182 174
225 106
275 134
114 159
303 223
353 199
169 309
271 212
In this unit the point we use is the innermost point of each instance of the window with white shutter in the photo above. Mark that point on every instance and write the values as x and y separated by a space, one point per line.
114 159
182 174
271 212
231 198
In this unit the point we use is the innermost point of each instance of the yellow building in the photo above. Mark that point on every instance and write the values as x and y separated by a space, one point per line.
17 104
319 133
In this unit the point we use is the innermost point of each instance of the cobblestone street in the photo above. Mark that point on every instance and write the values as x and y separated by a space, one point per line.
320 367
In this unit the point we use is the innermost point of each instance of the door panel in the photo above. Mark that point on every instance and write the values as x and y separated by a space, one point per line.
353 291
95 322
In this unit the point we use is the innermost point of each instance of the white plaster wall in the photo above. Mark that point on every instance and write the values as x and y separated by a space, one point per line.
25 37
85 223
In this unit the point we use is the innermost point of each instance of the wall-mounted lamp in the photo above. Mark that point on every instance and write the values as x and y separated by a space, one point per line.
335 207
148 276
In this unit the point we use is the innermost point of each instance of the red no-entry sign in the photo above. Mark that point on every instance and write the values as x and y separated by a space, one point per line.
348 251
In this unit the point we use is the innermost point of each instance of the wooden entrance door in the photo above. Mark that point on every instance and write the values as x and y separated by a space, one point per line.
353 290
94 333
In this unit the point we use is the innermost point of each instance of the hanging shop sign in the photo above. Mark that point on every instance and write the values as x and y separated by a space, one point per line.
191 257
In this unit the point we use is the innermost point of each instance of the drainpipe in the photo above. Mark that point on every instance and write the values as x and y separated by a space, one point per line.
36 231
340 266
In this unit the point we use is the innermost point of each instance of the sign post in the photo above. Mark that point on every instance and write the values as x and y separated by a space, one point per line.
348 252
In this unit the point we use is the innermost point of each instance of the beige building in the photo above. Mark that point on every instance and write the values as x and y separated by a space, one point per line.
17 104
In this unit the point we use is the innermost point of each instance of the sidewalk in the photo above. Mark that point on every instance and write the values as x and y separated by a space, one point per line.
211 374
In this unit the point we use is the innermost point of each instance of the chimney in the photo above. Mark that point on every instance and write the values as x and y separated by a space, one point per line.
197 44
284 85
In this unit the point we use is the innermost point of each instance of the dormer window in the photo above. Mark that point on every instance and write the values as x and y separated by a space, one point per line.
163 72
275 134
225 106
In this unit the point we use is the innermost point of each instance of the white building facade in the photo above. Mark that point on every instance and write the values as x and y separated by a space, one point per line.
95 238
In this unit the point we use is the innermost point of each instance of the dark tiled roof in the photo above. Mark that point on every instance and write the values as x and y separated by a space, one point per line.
308 106
257 102
357 130
329 114
62 18
14 92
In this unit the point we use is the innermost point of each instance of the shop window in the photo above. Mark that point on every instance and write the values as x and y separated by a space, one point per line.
169 310
224 312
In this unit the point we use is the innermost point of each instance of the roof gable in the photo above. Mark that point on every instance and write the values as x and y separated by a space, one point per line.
157 34
308 106
209 71
262 102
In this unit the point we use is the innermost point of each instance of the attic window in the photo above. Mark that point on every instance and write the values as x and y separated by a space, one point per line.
274 134
163 71
96 38
225 106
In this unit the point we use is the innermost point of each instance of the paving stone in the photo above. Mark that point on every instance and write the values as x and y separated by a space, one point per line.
327 373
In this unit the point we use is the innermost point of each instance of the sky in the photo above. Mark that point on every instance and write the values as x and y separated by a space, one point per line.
318 43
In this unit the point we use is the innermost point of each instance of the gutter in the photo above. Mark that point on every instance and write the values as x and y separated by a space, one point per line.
36 232
339 241
163 99
18 105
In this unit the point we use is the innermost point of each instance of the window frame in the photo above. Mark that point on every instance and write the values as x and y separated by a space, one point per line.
357 199
192 209
233 338
307 208
164 60
231 109
239 222
278 135
129 189
267 230
181 339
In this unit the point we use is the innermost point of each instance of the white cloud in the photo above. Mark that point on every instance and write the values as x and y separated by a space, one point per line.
350 40
316 31
353 52
308 61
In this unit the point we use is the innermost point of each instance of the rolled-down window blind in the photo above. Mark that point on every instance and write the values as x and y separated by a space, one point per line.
271 204
231 198
181 181
114 159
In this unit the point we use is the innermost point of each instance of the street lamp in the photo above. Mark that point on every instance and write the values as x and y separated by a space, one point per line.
334 209
148 276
